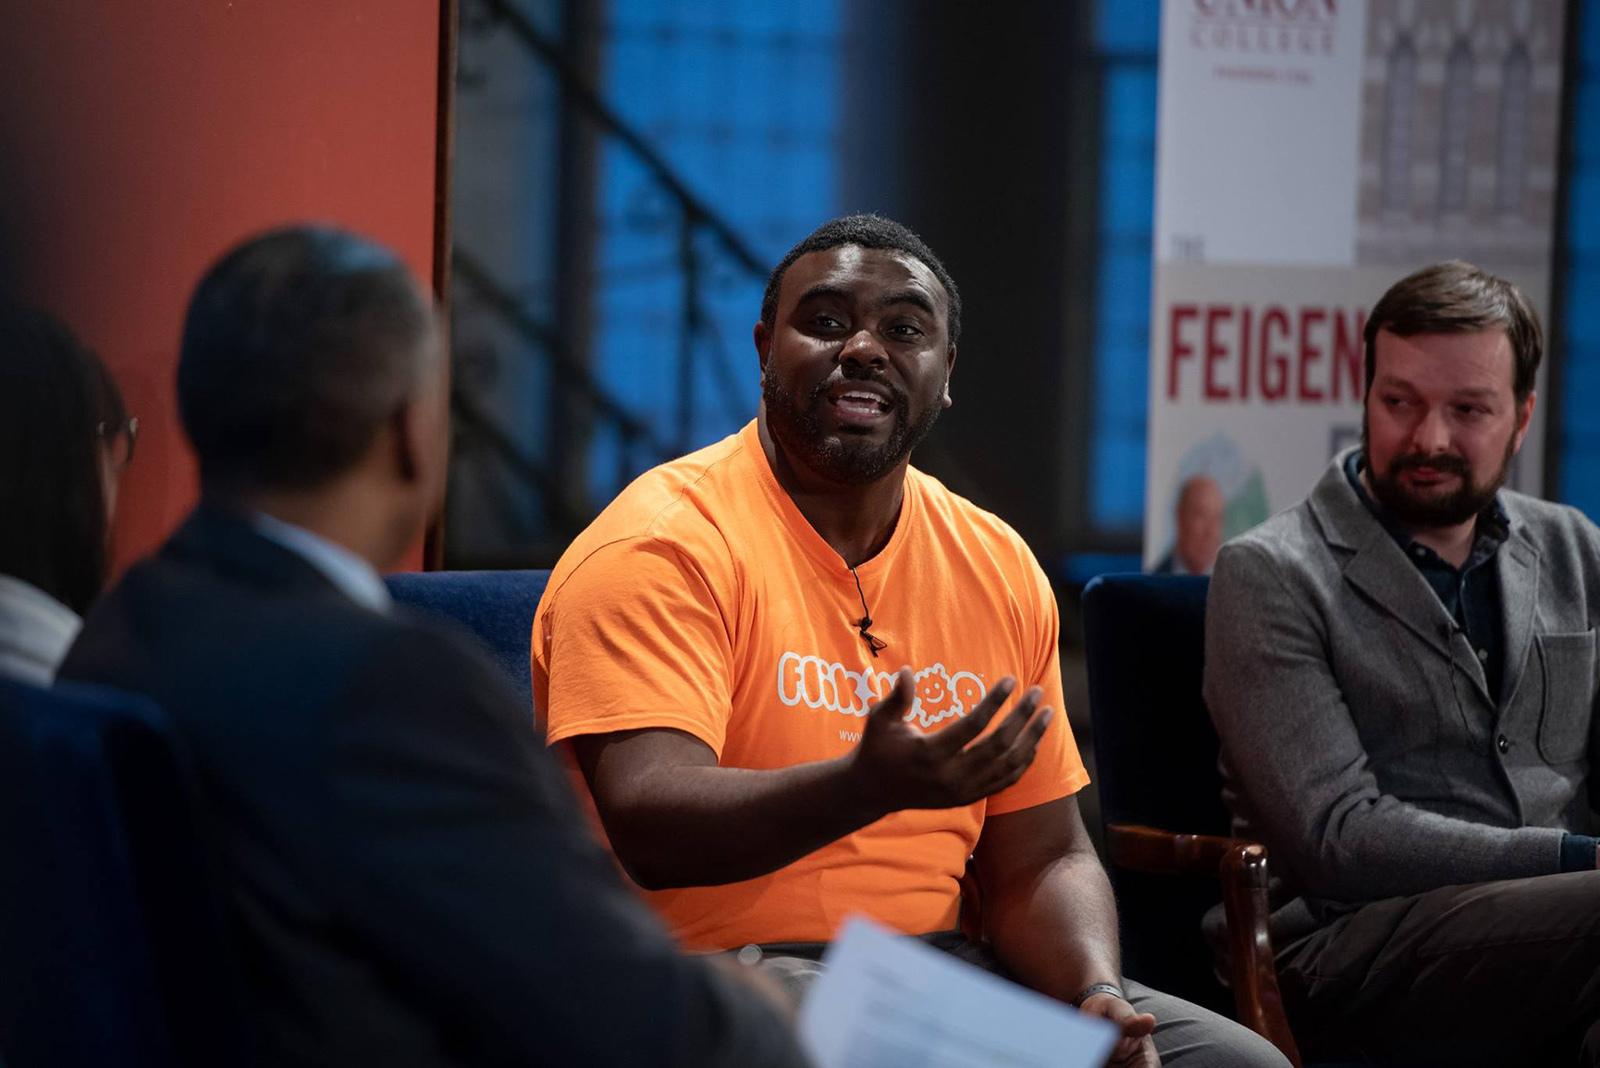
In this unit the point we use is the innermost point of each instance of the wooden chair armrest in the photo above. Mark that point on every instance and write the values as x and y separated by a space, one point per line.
1241 867
1150 849
1253 973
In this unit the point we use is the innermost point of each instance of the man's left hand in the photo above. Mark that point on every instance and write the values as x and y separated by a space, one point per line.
1135 1049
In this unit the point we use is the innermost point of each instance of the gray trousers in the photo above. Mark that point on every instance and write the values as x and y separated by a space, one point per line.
1501 973
1187 1036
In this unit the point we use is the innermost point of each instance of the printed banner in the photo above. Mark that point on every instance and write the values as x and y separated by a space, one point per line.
1311 153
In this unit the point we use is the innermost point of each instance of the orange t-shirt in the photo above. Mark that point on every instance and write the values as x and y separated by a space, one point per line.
702 600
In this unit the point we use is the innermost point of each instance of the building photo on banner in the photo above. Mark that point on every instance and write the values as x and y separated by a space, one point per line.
1308 156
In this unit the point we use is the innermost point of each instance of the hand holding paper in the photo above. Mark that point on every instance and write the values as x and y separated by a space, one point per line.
886 1000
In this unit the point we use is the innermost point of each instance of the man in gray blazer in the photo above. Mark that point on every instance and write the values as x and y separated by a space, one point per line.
1402 671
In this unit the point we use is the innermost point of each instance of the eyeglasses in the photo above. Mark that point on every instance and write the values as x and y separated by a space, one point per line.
120 438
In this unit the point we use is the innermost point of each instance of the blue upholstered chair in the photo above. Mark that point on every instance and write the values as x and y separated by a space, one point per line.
111 949
1161 801
496 607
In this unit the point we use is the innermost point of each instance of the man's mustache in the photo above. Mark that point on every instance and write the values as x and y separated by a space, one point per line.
1444 463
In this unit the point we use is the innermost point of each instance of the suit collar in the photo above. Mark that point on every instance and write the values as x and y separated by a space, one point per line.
226 540
1519 598
354 576
1378 566
1346 522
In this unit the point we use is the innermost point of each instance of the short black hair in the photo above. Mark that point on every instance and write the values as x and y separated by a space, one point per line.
1454 297
298 345
867 231
58 404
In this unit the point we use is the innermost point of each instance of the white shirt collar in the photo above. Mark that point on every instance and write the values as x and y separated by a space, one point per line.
36 630
353 575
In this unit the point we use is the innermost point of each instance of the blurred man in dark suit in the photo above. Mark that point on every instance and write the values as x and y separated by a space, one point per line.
408 881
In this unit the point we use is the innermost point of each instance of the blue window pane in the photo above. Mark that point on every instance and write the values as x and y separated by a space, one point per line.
1116 500
1586 101
1127 194
1127 37
1583 207
1580 460
1583 326
1128 26
1579 467
1130 91
740 98
1580 474
1583 381
1124 297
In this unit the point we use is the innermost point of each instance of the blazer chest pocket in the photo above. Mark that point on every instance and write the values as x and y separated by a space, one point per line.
1567 662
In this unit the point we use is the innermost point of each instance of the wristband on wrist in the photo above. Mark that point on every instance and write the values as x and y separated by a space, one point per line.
1097 988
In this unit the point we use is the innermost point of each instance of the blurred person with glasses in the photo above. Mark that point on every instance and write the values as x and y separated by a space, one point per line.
65 439
119 438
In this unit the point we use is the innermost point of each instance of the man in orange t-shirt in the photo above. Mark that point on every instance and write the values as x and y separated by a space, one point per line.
779 663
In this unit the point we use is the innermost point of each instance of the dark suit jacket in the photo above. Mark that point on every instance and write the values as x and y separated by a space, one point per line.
408 880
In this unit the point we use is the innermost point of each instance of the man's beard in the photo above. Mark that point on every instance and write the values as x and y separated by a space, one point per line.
844 457
1467 500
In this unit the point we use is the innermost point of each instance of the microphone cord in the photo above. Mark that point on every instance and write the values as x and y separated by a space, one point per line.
874 642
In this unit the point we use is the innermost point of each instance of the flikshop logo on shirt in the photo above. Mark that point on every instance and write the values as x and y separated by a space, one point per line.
816 683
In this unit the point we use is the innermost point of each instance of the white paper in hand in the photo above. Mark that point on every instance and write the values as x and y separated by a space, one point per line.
886 1001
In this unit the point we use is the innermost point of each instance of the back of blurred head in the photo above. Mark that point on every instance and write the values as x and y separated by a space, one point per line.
60 413
310 384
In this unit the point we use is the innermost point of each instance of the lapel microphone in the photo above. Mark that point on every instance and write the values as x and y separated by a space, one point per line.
874 642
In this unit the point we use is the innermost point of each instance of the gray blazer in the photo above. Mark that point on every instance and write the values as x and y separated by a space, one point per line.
1359 740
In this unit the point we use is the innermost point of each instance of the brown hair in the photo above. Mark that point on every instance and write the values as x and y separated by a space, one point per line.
1455 297
57 403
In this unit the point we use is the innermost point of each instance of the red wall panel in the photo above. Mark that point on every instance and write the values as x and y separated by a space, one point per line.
139 139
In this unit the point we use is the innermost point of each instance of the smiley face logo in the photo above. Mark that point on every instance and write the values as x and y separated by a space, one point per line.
936 698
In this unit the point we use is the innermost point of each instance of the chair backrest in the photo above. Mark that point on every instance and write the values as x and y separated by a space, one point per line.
494 606
111 945
1156 763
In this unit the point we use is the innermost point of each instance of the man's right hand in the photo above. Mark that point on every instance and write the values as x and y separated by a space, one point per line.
899 767
676 818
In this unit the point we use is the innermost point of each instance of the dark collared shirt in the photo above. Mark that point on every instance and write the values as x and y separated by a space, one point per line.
1470 593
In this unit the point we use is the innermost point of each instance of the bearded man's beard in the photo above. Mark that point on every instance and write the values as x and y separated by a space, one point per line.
796 423
1464 502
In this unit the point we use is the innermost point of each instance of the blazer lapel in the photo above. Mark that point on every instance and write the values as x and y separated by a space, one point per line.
1381 571
1378 568
1519 601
